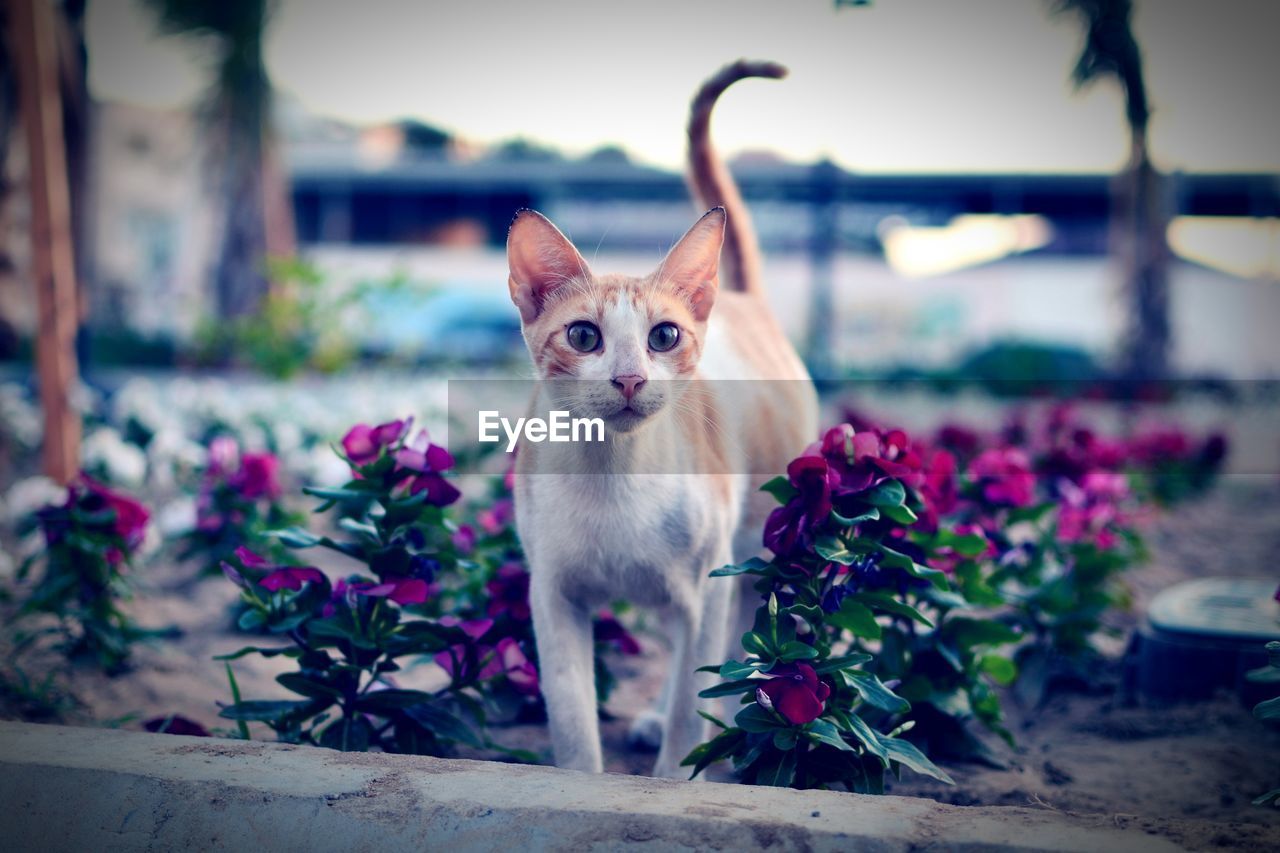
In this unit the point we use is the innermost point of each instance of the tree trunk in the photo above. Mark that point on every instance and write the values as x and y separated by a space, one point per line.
1139 234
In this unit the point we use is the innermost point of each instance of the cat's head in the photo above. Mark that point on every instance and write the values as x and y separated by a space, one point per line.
620 339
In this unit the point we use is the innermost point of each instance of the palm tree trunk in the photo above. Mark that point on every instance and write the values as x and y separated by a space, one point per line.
1141 220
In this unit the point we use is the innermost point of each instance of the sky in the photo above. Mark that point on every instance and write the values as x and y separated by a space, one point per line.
897 86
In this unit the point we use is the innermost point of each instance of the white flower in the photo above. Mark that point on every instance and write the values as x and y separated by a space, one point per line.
125 464
26 496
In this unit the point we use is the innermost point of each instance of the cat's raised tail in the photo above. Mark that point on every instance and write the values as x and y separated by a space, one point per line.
713 186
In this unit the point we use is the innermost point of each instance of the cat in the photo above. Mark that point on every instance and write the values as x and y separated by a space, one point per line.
614 520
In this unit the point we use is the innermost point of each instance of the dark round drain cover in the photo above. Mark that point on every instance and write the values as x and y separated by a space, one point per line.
1204 635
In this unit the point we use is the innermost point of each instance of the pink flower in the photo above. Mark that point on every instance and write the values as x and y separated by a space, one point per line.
224 455
258 476
291 577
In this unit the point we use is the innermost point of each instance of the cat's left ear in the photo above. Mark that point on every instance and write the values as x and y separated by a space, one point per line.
692 266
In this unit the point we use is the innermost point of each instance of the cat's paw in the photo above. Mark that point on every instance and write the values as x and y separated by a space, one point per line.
645 734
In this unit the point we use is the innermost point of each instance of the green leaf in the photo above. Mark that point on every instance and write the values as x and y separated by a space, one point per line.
1272 796
869 737
733 670
444 724
251 620
842 662
856 618
821 731
890 493
873 692
343 494
832 549
906 753
756 644
710 718
241 726
753 718
349 734
889 604
296 537
753 566
785 739
1001 669
796 650
900 514
730 688
967 545
776 769
311 687
380 701
262 711
967 632
781 489
248 650
721 746
871 514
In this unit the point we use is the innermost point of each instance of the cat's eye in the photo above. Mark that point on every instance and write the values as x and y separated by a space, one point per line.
584 337
663 337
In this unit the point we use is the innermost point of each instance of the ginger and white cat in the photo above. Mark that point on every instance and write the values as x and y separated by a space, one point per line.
646 514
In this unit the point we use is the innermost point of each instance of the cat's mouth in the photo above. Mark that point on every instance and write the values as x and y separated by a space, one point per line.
628 417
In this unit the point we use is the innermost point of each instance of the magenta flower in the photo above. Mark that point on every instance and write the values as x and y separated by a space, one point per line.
608 629
252 560
509 659
258 476
790 527
363 443
402 591
1005 477
456 655
464 539
794 691
494 519
291 577
509 592
423 462
131 517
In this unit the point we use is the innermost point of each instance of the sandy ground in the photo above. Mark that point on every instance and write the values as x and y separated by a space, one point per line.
1186 772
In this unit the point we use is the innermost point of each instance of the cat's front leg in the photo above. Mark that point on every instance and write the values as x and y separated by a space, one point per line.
702 639
566 673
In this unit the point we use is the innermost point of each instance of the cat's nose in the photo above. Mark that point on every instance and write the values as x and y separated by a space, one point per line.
628 385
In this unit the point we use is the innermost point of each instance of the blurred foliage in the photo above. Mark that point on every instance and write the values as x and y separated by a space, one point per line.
303 323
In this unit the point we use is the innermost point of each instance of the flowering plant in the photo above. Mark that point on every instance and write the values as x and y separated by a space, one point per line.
239 501
350 637
814 714
90 540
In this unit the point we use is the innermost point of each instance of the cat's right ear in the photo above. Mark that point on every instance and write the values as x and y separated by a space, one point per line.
541 260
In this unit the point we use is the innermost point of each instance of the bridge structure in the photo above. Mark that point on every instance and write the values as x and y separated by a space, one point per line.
342 202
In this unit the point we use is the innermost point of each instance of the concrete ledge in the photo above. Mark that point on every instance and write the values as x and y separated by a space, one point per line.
90 789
